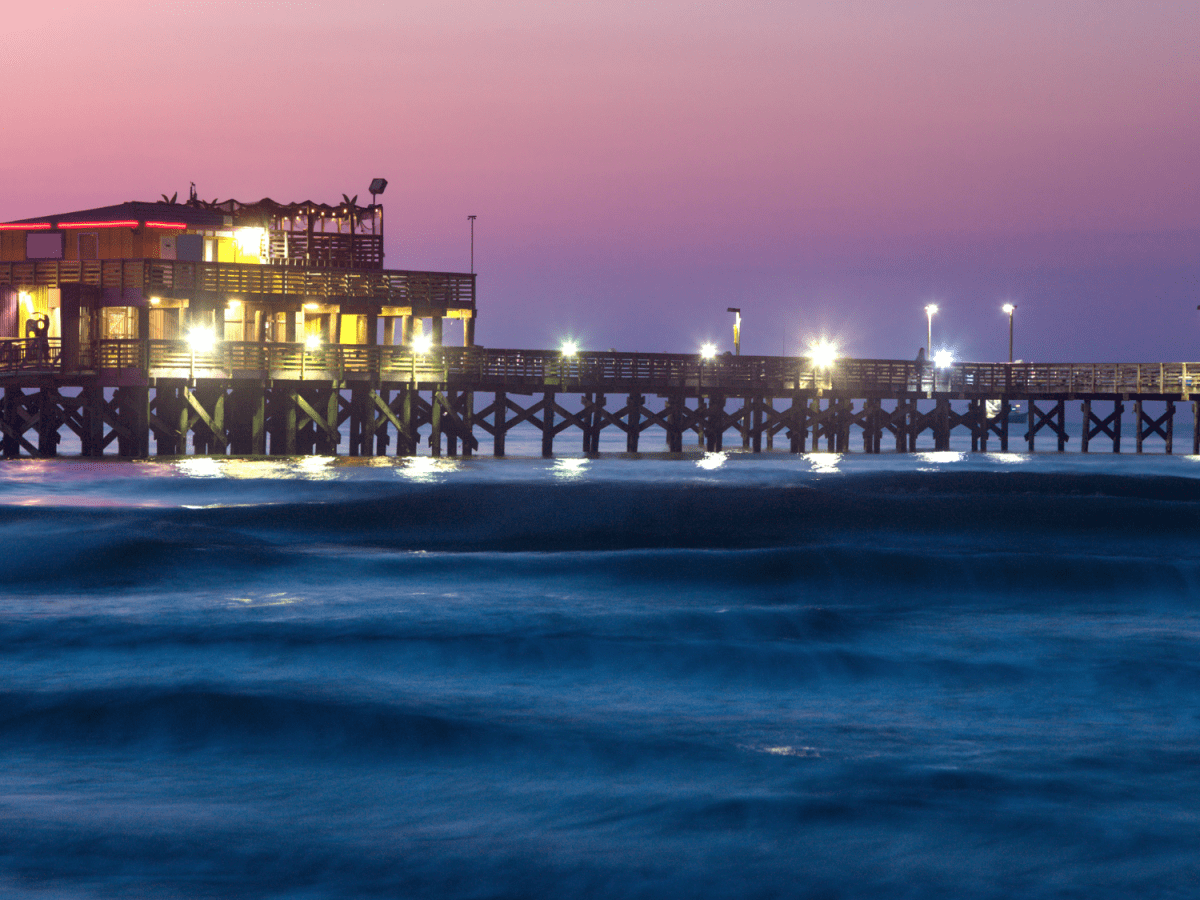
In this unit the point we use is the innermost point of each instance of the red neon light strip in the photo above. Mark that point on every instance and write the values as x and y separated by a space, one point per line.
130 224
166 225
24 227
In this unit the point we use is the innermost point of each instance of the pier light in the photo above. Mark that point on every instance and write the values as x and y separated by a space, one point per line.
201 340
1009 308
422 343
930 309
708 350
234 303
250 240
943 359
155 301
569 348
312 306
823 353
312 342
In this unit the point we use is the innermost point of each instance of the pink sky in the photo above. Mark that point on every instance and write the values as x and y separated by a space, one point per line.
638 167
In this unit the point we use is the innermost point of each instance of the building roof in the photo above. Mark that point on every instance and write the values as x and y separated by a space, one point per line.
138 213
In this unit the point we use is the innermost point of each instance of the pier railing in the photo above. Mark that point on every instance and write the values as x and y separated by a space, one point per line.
537 370
449 290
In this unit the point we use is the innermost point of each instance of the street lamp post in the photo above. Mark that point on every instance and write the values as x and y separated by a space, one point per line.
1009 308
737 329
929 311
472 219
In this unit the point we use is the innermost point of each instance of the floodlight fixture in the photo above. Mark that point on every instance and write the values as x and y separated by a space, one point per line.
377 187
823 353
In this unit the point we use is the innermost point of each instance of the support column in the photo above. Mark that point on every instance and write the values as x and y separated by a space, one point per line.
548 424
633 423
435 416
498 423
799 432
756 419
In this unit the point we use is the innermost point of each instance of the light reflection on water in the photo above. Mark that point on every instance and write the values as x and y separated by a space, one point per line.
426 468
570 468
712 460
937 458
825 463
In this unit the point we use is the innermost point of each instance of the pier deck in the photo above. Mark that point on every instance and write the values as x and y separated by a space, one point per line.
138 397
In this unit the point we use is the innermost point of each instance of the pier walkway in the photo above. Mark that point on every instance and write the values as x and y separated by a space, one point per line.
136 398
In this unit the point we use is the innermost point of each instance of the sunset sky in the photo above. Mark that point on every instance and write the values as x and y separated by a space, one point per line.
637 167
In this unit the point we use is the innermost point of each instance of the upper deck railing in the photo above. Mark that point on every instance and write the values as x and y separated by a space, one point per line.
535 370
390 287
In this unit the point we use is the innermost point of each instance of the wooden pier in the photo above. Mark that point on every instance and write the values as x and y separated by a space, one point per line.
138 398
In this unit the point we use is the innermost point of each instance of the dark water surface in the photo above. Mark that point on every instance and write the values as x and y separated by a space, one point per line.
723 676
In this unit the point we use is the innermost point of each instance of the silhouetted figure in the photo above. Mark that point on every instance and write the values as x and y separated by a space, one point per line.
37 332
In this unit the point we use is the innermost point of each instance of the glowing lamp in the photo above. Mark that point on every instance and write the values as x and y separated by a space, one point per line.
569 348
312 342
823 353
708 350
422 343
249 240
1008 308
943 359
201 340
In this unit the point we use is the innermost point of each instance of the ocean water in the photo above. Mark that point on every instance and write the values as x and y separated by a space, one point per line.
717 675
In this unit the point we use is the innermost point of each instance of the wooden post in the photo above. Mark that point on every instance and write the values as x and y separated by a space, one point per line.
1060 415
548 424
941 425
799 413
585 416
289 421
674 417
435 416
633 423
1118 411
1137 417
1032 420
47 427
756 422
93 422
408 395
468 420
12 417
258 420
1170 426
1087 426
498 424
770 404
1196 428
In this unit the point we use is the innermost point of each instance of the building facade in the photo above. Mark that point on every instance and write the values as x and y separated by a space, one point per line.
262 272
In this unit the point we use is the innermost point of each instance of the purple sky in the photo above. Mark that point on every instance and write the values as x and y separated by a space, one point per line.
637 167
